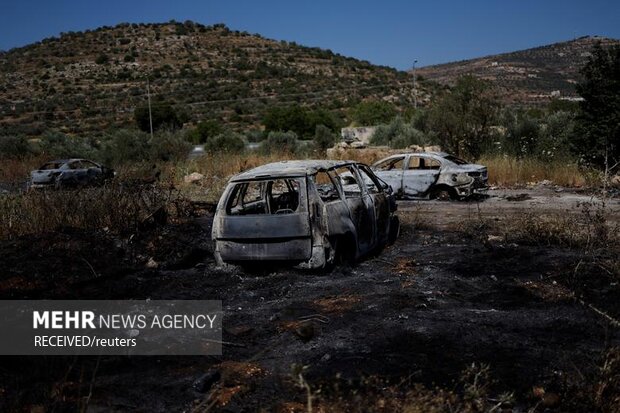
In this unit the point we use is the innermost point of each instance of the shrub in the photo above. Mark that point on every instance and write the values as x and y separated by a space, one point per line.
163 115
399 134
206 130
372 113
168 146
14 147
102 59
229 141
280 142
125 145
323 137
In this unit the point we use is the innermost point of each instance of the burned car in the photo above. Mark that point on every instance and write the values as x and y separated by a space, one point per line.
431 175
66 173
313 214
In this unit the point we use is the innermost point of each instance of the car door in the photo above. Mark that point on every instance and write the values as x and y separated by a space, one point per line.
391 172
360 205
420 174
380 203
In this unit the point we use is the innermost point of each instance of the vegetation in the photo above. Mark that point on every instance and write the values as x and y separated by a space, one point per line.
278 142
162 115
372 113
302 121
597 140
324 137
462 117
211 71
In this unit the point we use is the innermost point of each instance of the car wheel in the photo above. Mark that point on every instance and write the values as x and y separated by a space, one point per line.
442 194
394 230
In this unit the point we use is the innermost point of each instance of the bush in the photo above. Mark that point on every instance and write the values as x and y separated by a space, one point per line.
206 130
125 145
14 147
372 113
163 114
300 120
59 145
168 146
280 142
102 59
229 141
323 137
399 134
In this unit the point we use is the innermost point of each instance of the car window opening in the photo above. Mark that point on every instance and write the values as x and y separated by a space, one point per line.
348 180
277 196
326 187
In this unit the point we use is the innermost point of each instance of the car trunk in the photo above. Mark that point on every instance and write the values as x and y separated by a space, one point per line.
271 235
265 237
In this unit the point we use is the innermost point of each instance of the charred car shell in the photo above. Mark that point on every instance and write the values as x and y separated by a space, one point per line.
431 175
65 173
300 212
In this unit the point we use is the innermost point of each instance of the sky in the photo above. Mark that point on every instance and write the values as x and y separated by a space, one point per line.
386 32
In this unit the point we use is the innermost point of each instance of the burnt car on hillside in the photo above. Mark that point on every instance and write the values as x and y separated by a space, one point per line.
431 175
69 173
312 214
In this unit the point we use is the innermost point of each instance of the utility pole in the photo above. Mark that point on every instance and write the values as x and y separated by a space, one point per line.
415 96
148 94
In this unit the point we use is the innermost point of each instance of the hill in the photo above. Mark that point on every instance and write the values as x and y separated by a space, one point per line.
84 82
531 76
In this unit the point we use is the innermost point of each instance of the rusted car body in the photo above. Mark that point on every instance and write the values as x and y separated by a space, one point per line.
65 173
300 212
431 175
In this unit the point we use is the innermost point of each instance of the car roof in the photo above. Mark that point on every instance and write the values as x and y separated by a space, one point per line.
290 168
63 161
440 154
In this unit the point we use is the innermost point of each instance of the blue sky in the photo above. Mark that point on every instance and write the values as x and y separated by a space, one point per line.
385 32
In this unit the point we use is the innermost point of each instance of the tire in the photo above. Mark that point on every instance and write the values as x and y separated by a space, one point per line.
394 230
443 194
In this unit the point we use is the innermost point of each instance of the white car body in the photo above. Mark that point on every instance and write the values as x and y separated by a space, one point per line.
431 174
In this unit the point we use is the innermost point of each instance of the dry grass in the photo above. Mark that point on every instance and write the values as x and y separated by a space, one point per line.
115 208
15 170
217 170
507 171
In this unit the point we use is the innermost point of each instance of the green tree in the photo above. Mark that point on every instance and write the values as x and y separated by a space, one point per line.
323 137
228 141
372 113
163 114
399 134
597 136
206 130
300 120
461 118
280 142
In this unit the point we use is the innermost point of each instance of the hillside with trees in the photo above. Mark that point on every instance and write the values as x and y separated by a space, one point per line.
86 82
526 77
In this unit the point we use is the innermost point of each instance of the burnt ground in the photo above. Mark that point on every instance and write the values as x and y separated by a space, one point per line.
422 311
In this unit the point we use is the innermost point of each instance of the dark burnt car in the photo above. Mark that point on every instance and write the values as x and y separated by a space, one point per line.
66 173
312 214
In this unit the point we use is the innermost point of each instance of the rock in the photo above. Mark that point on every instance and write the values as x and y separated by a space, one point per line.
193 178
358 145
305 332
206 381
545 182
151 263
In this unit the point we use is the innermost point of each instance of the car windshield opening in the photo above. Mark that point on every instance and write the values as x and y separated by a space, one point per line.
455 160
277 196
